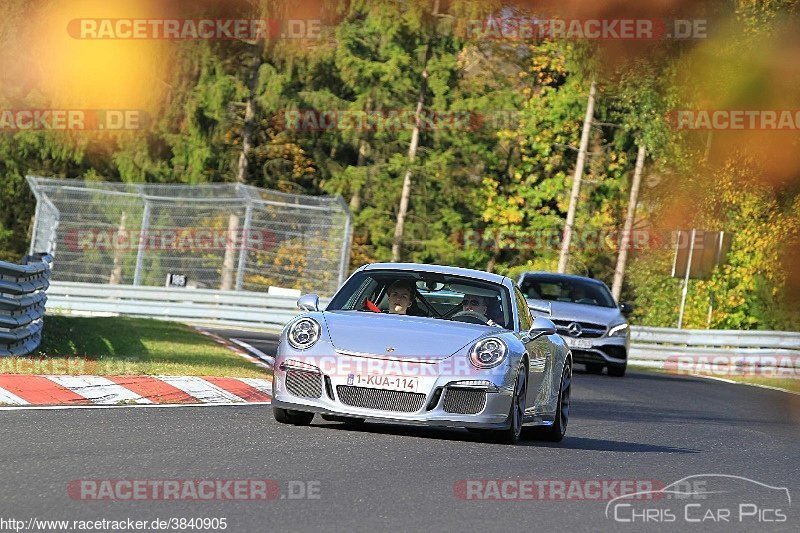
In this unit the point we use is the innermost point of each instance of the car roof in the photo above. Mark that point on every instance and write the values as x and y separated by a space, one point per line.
439 269
562 276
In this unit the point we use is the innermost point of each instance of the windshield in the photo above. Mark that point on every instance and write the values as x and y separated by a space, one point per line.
562 289
436 296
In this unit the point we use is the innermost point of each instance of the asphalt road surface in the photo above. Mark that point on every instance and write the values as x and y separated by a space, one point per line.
264 342
639 428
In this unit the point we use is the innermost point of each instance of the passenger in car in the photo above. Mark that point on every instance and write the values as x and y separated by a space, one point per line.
400 296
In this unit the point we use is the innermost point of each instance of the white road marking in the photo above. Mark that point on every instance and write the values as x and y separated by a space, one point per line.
138 406
11 398
255 351
98 389
262 385
201 389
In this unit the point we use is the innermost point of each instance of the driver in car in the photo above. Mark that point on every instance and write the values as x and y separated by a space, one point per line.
474 303
579 296
477 304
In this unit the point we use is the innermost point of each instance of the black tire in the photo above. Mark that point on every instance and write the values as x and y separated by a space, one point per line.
516 413
594 368
296 418
350 420
617 371
556 432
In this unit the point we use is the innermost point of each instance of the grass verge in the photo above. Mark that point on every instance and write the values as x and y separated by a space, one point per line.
127 346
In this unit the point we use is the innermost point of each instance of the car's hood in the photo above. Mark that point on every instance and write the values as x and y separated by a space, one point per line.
580 312
410 338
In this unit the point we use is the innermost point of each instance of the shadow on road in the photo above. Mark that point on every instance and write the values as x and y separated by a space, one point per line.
453 434
604 445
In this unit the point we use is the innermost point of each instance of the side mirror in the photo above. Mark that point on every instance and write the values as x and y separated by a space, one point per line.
626 308
308 302
541 326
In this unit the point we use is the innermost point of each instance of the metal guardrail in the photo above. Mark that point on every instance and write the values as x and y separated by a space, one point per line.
263 311
657 345
22 303
225 308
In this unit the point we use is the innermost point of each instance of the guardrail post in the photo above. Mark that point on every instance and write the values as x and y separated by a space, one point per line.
248 217
137 274
37 213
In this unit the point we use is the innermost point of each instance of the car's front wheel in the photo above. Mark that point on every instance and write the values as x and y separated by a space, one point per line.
517 411
617 371
296 418
594 368
556 431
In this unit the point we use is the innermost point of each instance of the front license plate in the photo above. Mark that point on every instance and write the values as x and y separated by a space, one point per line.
382 381
578 343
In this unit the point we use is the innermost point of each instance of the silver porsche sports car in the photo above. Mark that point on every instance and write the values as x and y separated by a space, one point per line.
425 344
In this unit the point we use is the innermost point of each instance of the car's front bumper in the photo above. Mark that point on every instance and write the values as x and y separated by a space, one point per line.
333 394
600 350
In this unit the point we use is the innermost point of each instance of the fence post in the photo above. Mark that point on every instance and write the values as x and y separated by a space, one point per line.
343 262
248 217
226 283
137 274
686 280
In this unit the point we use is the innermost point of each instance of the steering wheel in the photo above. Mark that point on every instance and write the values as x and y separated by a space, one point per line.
471 317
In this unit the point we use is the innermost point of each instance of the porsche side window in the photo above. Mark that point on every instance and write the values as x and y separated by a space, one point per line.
525 320
357 299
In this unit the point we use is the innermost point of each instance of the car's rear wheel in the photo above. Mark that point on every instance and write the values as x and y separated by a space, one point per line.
617 371
594 368
556 431
296 418
351 420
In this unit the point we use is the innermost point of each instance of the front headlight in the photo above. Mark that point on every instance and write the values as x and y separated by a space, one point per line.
303 333
619 330
488 353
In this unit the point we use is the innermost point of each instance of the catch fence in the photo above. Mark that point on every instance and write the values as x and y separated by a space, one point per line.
222 236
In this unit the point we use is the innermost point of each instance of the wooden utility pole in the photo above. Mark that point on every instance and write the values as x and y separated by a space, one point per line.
248 128
622 257
405 195
576 182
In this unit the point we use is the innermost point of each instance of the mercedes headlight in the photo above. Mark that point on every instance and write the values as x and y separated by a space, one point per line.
488 353
303 333
620 330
